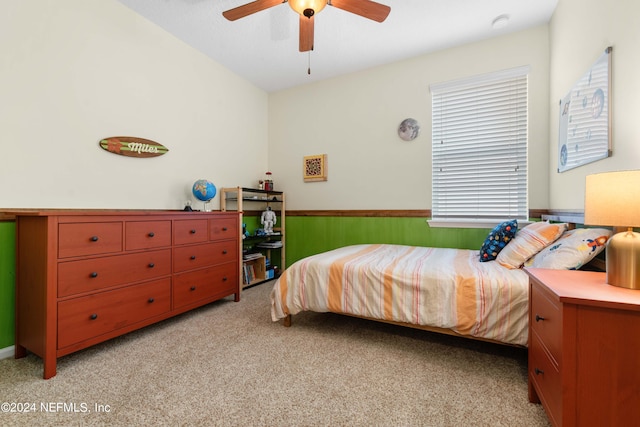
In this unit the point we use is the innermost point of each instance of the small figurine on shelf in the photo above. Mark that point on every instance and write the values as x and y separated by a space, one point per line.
268 219
245 233
261 185
268 182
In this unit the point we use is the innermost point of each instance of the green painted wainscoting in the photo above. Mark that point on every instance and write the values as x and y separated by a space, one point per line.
305 235
309 235
7 282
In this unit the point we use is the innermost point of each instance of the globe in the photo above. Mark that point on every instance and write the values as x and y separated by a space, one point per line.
204 190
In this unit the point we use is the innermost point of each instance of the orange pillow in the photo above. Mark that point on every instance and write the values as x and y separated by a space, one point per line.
529 241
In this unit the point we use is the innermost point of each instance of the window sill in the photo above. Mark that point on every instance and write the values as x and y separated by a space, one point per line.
470 223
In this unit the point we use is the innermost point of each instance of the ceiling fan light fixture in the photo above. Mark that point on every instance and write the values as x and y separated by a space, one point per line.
307 8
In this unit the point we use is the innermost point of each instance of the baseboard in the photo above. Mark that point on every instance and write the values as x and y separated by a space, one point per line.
7 352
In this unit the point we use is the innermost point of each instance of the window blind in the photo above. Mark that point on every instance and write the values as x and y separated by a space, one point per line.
479 147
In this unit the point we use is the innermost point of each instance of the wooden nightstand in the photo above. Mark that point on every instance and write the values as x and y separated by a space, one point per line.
584 348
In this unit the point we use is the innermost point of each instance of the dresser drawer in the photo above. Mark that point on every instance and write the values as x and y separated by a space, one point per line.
190 231
86 317
147 234
206 283
93 238
223 228
546 321
197 256
94 274
546 379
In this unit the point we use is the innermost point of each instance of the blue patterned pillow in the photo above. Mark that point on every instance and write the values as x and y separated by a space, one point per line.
498 239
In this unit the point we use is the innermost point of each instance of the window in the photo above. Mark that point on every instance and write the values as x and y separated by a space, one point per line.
479 147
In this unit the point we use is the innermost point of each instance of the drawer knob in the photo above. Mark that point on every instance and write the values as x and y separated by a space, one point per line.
193 257
151 300
93 274
224 228
539 318
94 238
151 234
193 288
224 252
538 371
193 231
224 279
94 316
151 265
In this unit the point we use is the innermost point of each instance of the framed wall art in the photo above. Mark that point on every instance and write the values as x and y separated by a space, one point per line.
314 168
585 117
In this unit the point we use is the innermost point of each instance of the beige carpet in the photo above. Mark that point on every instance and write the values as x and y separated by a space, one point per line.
227 364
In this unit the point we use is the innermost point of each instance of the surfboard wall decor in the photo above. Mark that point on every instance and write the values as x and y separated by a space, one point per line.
131 146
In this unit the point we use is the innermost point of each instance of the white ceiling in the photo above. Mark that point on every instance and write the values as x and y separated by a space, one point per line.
263 47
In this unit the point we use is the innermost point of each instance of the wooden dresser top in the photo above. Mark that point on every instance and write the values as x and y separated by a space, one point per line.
586 288
10 214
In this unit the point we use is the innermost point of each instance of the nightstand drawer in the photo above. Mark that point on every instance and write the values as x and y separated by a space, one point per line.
546 321
546 380
89 238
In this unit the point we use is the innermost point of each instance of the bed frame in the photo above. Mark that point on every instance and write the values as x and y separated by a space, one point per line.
287 323
572 220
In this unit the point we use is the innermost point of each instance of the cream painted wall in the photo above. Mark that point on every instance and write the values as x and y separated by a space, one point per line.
580 30
75 71
354 119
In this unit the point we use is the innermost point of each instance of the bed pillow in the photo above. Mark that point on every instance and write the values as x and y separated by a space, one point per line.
529 241
572 250
497 240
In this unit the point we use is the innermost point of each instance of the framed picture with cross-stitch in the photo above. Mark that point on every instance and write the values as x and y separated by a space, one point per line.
314 168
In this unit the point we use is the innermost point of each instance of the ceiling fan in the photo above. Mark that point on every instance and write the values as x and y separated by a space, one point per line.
307 10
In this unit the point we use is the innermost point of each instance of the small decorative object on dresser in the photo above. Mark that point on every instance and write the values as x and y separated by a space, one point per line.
86 276
204 191
583 348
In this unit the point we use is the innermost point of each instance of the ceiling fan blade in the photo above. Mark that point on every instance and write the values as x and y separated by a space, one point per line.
365 8
306 33
249 8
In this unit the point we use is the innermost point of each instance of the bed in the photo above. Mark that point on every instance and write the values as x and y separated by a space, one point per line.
438 289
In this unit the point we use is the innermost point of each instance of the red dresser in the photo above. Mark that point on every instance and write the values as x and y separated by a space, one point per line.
85 276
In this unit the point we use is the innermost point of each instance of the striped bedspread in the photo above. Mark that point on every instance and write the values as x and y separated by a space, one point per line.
445 288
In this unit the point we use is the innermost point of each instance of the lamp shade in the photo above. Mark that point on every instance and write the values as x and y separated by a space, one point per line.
301 5
613 198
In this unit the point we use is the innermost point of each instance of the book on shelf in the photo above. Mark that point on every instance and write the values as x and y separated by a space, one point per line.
249 273
249 257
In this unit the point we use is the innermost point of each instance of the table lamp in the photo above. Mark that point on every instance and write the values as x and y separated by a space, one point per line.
613 199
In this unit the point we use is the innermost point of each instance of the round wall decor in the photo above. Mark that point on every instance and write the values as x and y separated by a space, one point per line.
408 129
